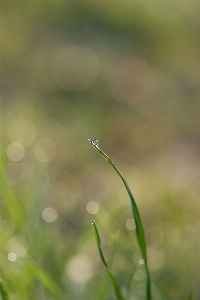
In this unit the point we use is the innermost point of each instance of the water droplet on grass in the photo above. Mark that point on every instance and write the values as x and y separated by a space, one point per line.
94 142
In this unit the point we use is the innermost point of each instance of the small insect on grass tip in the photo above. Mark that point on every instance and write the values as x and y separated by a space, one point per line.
94 142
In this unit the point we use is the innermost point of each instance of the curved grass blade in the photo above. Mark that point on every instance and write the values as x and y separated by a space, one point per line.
3 291
138 221
115 284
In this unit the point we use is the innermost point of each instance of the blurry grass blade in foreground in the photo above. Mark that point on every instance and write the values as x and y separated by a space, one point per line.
45 278
3 291
138 222
191 295
116 286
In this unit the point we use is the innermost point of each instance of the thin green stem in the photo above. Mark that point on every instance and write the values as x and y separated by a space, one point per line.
115 284
138 221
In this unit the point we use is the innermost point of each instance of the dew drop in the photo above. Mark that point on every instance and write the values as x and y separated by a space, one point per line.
94 142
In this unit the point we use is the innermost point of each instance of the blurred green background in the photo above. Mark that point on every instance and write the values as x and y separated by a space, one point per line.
125 72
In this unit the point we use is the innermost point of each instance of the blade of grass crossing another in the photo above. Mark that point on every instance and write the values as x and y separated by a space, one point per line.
3 291
115 284
138 221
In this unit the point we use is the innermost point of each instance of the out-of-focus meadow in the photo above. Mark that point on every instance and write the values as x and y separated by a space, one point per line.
127 73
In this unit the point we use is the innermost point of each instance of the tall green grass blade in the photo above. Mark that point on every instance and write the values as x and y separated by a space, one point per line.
138 221
3 291
115 284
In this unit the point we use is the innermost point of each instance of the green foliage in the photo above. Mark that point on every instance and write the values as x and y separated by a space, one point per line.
3 291
191 295
139 226
114 282
127 72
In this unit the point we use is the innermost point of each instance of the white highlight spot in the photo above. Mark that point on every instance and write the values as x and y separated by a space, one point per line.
141 261
80 269
15 151
92 207
49 214
12 256
45 150
139 275
130 224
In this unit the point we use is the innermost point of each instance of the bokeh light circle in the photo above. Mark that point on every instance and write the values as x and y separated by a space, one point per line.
133 81
156 257
49 214
15 151
45 150
141 261
139 275
75 68
12 256
80 269
92 207
130 224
